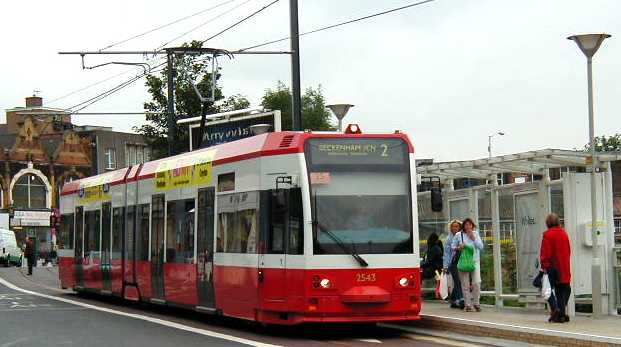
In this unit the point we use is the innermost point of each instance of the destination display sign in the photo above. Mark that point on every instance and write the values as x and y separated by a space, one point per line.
370 151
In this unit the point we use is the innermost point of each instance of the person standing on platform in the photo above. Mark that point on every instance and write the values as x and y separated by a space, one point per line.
30 254
555 257
450 265
471 280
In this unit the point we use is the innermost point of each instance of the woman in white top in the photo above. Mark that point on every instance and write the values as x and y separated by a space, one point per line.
470 281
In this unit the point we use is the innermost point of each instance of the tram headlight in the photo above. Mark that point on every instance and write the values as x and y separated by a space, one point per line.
403 282
325 283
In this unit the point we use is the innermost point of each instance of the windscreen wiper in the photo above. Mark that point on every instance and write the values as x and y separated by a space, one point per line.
339 242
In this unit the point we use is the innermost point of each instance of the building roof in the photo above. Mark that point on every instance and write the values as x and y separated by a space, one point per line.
532 162
38 110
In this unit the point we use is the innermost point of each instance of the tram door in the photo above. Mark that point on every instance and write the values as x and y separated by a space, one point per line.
157 247
205 246
106 234
273 263
79 246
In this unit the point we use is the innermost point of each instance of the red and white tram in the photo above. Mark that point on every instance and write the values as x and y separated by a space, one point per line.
282 228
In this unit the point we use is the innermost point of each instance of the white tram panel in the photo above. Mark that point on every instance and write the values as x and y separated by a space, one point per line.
246 174
284 165
246 180
415 260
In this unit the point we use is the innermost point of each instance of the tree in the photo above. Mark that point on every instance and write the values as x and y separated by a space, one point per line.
606 143
190 69
315 116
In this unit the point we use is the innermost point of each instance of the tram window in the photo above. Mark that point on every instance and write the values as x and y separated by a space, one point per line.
180 231
142 233
118 220
238 222
157 228
92 233
130 232
226 182
296 222
278 225
66 232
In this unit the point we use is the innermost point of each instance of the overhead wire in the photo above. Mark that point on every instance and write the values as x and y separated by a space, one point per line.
101 96
167 25
89 86
339 24
203 24
240 21
90 101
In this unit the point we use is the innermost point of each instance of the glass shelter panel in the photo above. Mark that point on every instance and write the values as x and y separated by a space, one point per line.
508 251
486 233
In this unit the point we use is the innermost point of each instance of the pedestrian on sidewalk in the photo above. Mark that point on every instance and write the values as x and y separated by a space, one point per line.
30 254
555 258
433 257
450 265
470 281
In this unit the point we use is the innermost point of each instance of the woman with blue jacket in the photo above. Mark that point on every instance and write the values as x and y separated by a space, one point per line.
470 281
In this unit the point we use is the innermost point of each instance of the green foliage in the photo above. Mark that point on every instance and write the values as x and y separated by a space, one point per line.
606 143
315 116
187 104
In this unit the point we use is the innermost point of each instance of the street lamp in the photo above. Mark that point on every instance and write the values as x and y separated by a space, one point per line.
340 110
489 142
589 44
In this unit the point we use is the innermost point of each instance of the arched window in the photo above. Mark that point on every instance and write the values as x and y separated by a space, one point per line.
29 192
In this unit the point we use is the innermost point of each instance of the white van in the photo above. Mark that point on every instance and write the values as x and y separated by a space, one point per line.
9 252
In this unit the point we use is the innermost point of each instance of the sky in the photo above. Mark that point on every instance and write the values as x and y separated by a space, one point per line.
448 73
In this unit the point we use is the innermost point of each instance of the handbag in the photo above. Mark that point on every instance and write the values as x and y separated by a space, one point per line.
538 279
457 254
466 260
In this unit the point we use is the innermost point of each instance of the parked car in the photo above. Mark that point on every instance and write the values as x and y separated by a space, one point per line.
9 252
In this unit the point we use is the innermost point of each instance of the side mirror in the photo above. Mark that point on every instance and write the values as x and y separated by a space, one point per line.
436 199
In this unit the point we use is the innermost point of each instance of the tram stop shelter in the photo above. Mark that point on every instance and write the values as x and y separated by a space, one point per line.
511 219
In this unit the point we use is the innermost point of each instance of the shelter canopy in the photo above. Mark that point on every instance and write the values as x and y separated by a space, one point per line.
532 162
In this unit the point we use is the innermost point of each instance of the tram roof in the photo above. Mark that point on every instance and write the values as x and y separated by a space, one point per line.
532 162
273 143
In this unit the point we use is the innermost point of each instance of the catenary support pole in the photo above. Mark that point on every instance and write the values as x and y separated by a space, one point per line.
596 274
296 93
495 204
170 114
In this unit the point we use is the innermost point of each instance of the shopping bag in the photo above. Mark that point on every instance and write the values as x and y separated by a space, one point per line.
444 291
437 291
466 260
546 288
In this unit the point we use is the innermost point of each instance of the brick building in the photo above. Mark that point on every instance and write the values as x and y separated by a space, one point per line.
40 150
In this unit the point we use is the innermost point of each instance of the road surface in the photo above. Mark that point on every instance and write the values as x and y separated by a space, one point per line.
35 312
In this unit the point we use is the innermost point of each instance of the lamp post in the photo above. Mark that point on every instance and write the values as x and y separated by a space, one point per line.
489 142
589 44
340 110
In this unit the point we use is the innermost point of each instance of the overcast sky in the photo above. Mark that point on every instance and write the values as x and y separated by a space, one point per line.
449 72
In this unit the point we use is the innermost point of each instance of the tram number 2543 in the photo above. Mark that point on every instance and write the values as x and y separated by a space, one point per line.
366 277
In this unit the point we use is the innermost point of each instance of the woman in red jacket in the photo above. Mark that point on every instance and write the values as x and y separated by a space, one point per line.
555 259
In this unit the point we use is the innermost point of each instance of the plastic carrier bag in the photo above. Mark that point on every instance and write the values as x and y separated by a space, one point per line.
466 260
546 288
444 287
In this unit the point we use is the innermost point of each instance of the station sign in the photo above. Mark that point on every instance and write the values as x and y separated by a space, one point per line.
31 218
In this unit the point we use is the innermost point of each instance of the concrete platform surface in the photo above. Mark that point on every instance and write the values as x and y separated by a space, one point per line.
523 325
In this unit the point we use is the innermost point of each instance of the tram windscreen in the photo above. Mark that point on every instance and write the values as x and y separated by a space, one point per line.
360 195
